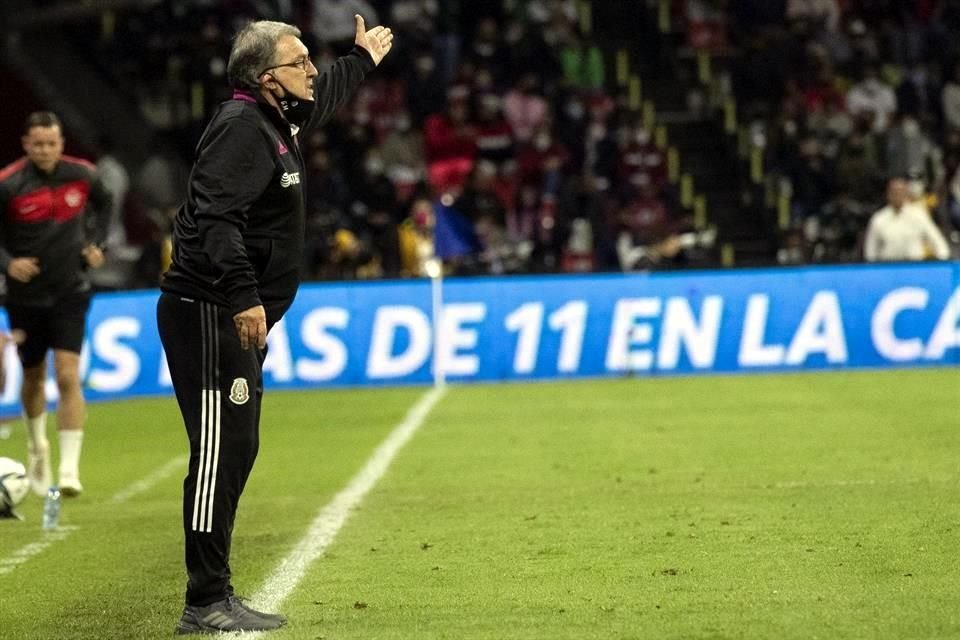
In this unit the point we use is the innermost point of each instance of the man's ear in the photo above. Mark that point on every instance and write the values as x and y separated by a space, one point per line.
269 81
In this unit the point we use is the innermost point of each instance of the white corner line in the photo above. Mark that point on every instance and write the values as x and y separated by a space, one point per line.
331 518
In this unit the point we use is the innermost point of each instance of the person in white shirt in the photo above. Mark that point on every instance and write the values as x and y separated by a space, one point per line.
821 12
333 21
873 97
903 230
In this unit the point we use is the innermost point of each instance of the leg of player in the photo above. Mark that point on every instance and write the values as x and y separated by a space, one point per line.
33 398
218 387
71 414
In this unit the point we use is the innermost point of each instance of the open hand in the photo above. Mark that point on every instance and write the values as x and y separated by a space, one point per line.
377 41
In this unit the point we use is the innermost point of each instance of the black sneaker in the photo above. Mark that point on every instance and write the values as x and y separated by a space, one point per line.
242 601
227 615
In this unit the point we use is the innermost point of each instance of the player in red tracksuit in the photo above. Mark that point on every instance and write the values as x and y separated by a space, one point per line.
55 215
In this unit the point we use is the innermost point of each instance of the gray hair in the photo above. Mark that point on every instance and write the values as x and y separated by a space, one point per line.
253 51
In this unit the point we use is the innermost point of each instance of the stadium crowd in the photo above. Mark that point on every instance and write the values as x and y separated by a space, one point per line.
844 95
493 138
492 123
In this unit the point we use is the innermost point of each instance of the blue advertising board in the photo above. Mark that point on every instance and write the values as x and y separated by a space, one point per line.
519 327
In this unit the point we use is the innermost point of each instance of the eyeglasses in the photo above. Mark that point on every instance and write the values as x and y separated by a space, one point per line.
302 63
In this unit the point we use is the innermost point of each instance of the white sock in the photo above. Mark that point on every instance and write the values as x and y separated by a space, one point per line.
36 431
70 443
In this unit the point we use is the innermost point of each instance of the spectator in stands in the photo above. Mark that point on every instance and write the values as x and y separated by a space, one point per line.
414 22
543 161
551 72
864 41
858 163
527 217
812 178
874 97
484 207
640 159
416 238
161 180
601 149
524 107
488 51
909 151
328 198
480 202
333 22
378 214
450 140
919 96
530 52
903 231
402 151
350 136
589 238
541 12
818 12
951 100
116 179
582 61
706 24
648 233
494 134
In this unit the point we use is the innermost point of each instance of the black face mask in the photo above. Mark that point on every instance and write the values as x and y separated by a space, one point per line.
296 110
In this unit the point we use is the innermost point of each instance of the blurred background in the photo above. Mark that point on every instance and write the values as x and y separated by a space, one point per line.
526 136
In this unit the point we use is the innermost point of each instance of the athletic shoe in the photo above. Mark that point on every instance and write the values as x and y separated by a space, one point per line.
225 616
38 468
70 486
270 616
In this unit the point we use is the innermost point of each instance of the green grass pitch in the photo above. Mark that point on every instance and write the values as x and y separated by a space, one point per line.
794 506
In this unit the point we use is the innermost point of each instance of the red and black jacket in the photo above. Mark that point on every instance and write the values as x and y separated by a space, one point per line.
51 217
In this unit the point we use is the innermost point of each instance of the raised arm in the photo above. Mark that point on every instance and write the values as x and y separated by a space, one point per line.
337 84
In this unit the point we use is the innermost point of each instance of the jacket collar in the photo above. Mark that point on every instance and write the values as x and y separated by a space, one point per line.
271 111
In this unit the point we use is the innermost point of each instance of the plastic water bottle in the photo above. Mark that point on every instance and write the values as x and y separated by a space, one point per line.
51 509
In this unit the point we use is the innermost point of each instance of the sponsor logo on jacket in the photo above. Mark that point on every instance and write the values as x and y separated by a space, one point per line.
288 179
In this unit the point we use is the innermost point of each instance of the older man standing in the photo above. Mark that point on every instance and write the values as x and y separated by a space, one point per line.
238 242
903 230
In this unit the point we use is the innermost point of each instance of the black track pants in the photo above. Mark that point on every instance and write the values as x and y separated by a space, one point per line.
218 387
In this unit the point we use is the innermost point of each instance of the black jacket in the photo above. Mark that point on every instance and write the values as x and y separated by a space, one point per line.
238 238
51 216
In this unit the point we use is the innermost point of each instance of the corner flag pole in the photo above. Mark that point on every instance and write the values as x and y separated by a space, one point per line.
434 268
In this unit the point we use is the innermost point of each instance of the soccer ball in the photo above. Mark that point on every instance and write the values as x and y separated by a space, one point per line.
14 485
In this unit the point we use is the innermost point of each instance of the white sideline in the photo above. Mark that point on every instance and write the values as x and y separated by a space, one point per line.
332 517
144 485
24 553
33 549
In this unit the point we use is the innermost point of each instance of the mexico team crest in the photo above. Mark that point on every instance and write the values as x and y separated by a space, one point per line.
239 392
